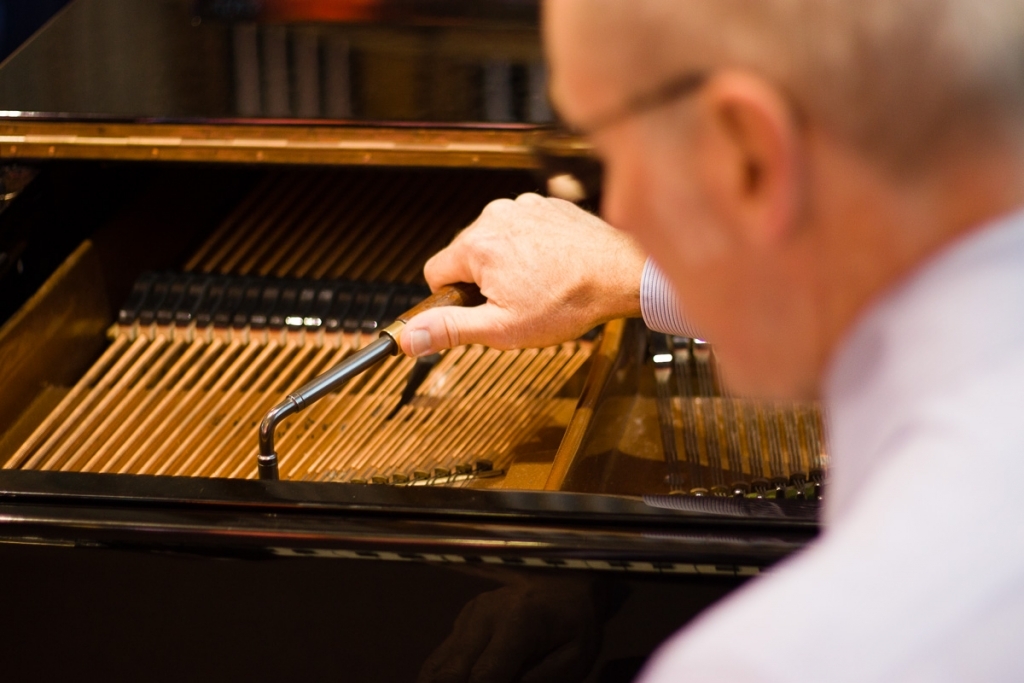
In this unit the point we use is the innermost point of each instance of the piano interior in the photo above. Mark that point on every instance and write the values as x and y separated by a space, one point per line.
306 268
300 274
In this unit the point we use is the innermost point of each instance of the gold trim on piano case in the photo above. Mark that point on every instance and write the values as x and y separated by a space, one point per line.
271 144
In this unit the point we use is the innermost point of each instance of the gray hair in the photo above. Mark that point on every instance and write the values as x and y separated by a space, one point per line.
893 76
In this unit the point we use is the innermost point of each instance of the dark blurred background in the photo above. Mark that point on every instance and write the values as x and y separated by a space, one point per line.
19 19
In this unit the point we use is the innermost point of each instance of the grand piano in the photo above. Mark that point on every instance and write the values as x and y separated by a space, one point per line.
204 204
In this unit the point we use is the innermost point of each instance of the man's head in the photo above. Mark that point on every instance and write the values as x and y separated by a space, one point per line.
833 146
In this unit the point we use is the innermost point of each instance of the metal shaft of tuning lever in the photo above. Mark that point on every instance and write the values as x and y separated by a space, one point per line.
387 345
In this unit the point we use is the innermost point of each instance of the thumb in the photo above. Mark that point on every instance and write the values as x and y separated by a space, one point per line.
447 326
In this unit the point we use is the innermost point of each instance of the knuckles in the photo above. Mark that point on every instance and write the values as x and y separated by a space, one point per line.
499 209
484 244
508 210
531 200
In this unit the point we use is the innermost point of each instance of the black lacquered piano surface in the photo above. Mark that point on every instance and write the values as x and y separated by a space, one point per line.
167 577
172 60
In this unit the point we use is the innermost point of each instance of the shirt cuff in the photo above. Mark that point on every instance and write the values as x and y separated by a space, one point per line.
659 304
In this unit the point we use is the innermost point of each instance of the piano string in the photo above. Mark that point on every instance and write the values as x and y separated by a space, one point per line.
717 444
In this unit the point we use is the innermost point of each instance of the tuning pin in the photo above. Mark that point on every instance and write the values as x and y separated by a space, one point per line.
759 487
817 477
674 487
799 483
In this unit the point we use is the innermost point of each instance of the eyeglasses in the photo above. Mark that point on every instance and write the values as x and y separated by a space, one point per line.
562 150
678 87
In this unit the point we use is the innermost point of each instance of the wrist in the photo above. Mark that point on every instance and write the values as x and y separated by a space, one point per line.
622 296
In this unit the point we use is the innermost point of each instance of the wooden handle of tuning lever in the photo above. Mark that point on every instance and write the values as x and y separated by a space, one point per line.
459 294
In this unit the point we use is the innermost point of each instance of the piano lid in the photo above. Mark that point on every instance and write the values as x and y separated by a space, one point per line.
446 63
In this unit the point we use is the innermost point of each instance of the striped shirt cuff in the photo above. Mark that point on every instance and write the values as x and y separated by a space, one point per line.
659 304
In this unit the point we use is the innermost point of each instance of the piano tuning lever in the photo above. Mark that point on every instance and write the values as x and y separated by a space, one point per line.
387 344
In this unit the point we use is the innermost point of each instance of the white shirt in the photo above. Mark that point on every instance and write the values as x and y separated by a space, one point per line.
919 572
659 304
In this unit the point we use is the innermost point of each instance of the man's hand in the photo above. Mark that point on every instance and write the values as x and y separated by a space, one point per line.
537 628
550 272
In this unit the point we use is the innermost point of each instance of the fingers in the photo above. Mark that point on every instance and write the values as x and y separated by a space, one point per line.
449 265
454 659
448 326
524 648
549 270
458 261
470 251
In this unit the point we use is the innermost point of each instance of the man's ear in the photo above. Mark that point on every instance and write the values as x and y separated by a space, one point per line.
749 156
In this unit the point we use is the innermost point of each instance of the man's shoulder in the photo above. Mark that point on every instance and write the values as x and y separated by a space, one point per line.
913 567
850 611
